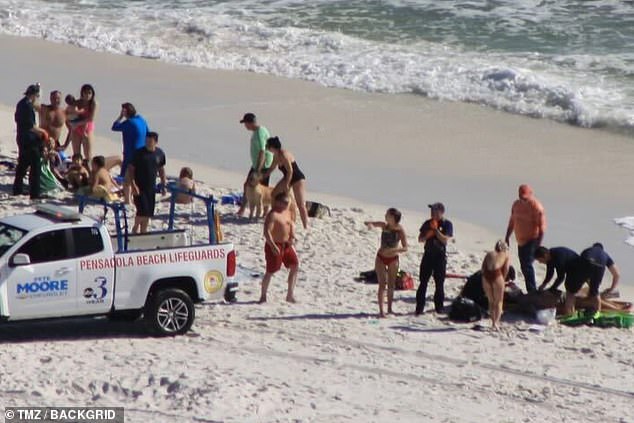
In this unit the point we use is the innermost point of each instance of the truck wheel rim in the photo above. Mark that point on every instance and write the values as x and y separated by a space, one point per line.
172 315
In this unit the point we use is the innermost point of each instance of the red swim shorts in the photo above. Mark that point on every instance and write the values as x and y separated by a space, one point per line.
287 256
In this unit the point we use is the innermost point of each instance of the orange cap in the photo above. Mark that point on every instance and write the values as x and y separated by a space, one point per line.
525 191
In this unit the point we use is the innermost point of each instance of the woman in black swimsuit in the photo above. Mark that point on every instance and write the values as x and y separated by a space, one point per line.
293 176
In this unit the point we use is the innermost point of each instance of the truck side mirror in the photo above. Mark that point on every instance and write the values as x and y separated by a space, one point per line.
20 260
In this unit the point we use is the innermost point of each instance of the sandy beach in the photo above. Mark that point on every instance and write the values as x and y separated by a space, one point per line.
328 358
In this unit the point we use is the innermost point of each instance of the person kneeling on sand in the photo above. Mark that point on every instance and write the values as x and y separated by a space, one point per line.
279 233
590 268
386 263
494 269
561 259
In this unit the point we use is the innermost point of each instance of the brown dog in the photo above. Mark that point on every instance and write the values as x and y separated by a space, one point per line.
258 196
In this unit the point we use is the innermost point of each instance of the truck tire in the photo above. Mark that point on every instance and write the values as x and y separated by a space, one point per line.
169 312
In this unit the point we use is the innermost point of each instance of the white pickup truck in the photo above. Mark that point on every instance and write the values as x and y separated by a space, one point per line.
58 263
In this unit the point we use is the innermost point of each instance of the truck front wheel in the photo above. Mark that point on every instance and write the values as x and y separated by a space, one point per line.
170 312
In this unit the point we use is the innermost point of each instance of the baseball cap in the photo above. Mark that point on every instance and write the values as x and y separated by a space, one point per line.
32 89
248 117
437 207
525 191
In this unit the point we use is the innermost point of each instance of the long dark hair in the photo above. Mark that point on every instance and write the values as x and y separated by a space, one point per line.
87 87
274 142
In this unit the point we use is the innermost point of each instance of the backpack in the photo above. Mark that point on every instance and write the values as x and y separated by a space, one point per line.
465 310
317 209
404 281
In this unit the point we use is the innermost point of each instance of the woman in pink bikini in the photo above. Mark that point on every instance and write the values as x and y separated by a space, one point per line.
83 127
386 263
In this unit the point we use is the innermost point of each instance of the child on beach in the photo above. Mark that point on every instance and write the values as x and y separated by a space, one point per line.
186 183
77 174
386 263
102 184
495 267
279 233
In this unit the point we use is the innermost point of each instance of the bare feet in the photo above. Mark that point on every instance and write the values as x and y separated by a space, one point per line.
262 300
381 315
291 300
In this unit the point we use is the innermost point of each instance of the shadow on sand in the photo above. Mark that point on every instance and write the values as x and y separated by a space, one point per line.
70 330
329 316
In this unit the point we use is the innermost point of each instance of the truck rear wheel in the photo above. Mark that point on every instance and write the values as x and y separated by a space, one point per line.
170 312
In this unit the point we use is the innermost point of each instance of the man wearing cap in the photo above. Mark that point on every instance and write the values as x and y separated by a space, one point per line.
590 268
435 233
261 159
29 139
528 221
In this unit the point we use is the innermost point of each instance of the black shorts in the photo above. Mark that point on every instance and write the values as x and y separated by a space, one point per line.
583 271
265 180
144 203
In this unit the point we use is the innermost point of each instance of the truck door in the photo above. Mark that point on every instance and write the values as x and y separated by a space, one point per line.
95 271
47 286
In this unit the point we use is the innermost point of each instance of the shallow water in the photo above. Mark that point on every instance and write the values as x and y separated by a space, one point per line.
566 60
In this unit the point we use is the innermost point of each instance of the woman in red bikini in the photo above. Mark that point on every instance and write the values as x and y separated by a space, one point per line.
84 127
386 263
494 270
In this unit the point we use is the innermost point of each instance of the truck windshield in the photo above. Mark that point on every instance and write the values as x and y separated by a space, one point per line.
9 235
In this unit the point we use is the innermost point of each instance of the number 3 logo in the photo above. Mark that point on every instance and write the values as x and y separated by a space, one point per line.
101 284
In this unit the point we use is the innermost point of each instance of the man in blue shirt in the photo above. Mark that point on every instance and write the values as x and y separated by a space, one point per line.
435 233
134 129
561 259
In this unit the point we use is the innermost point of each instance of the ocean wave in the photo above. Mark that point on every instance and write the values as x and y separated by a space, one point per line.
568 88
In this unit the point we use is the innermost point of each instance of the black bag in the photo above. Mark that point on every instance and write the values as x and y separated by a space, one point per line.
368 276
465 310
317 209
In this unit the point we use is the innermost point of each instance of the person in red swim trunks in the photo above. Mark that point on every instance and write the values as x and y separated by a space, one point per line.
279 233
386 263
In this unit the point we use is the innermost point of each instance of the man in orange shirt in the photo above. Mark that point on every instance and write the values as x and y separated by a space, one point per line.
528 221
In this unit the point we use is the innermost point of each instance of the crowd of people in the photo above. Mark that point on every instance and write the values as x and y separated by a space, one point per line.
528 222
41 153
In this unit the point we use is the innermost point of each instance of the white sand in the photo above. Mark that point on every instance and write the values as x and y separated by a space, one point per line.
326 359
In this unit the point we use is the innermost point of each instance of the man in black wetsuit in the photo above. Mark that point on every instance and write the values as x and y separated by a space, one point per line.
29 139
561 259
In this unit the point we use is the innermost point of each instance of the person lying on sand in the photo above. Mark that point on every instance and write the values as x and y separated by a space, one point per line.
386 263
279 233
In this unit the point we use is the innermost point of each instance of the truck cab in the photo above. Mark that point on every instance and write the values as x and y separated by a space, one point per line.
58 263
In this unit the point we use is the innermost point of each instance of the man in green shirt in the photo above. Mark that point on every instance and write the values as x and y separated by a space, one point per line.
261 159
